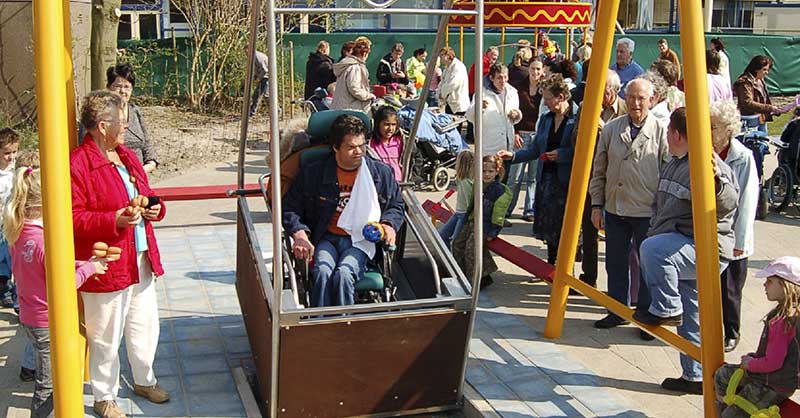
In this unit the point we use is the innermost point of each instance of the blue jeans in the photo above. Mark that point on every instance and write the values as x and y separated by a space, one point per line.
452 227
42 402
260 90
28 357
5 258
669 267
337 267
523 173
620 232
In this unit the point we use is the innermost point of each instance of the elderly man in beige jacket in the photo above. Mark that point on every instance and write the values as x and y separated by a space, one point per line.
630 154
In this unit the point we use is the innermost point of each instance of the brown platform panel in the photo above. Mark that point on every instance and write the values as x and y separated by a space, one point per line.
374 366
257 318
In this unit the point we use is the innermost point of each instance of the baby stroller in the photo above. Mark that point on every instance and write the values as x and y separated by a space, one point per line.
438 141
783 185
318 101
758 142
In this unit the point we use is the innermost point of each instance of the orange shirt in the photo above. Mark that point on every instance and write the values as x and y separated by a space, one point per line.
346 181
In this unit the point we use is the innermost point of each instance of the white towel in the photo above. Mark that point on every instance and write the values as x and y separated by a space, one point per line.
362 207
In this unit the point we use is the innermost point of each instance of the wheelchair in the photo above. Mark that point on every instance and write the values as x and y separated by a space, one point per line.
758 143
375 284
783 187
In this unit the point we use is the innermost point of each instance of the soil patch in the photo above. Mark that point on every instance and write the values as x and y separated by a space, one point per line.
185 140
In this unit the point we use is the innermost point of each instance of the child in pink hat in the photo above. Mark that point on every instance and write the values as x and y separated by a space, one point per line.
772 373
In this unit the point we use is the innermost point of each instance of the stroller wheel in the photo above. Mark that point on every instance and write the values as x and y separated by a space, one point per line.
441 179
781 186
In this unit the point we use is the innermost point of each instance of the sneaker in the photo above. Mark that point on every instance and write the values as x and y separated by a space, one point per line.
527 218
108 409
644 316
26 374
610 321
153 393
506 224
682 385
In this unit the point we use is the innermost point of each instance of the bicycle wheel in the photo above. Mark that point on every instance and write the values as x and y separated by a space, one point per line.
781 187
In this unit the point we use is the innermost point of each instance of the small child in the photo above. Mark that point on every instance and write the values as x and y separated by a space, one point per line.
9 145
464 194
771 373
386 139
22 227
496 198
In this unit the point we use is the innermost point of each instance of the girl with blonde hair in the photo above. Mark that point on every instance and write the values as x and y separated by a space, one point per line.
464 183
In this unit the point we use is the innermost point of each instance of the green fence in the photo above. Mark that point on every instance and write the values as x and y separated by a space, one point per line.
157 76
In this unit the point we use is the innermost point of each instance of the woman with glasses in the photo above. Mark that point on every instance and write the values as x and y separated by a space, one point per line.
106 176
121 80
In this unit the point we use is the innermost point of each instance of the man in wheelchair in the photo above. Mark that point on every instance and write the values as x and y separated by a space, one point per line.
328 205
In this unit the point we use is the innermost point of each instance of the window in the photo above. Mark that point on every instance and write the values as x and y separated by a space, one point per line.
415 22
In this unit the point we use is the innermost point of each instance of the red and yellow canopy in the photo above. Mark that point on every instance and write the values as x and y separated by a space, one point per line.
527 14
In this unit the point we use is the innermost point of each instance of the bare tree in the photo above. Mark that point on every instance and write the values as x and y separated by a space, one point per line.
105 22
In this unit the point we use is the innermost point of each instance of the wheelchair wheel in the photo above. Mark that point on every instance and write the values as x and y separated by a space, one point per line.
781 188
440 179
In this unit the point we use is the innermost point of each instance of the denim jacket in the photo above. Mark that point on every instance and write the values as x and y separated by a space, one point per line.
566 149
310 203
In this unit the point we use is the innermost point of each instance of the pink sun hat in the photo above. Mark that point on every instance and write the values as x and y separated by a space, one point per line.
787 268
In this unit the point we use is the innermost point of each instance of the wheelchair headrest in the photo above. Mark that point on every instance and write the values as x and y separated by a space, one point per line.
751 121
314 154
319 125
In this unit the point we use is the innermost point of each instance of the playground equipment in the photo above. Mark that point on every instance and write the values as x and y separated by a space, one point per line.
525 14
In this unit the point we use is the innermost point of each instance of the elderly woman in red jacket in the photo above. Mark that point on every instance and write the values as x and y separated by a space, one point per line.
106 176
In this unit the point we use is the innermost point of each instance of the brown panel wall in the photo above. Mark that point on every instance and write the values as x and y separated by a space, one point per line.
255 311
374 366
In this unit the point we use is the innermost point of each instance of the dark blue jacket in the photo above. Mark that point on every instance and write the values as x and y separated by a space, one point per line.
496 200
311 201
538 146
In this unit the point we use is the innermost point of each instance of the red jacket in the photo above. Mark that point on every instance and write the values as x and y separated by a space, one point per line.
472 73
97 193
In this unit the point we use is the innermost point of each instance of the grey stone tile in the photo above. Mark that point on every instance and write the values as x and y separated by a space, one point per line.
600 401
166 350
209 383
237 345
512 409
513 370
222 404
200 347
182 293
165 367
499 320
534 349
232 317
494 391
479 349
232 329
193 332
560 408
534 389
478 374
555 363
211 363
228 310
576 381
191 320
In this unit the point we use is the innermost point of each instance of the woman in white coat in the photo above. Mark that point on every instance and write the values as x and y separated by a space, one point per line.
725 124
453 89
500 113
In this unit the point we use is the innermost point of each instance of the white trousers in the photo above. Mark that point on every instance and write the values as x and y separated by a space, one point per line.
132 313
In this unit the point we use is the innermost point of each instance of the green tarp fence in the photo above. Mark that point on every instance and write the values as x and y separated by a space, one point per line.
157 76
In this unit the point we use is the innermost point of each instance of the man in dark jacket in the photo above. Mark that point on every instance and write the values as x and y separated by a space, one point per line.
392 68
319 69
315 202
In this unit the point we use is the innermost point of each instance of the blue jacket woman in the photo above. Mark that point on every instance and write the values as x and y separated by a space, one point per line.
553 146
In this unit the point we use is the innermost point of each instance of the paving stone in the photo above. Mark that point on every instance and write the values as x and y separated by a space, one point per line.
209 383
193 332
512 409
165 367
494 391
166 350
213 363
535 389
514 371
478 374
200 347
237 345
215 404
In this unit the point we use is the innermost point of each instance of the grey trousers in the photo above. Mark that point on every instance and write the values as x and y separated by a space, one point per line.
42 403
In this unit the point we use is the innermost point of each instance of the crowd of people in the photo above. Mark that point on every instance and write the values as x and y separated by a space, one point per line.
639 192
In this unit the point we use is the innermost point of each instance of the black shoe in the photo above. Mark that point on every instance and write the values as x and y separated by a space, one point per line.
506 224
486 281
26 375
610 321
590 282
527 218
644 316
730 344
682 385
646 336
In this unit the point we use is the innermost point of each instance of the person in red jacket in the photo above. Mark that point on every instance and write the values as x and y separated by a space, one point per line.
488 59
105 177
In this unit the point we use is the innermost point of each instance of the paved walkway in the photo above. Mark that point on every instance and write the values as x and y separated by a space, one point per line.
586 373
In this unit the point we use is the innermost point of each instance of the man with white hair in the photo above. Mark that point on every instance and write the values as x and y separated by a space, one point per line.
626 66
630 154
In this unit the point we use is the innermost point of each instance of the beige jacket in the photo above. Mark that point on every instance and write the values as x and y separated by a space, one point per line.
352 85
625 175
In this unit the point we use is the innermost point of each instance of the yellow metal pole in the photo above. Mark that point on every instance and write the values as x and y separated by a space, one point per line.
536 41
581 167
51 98
704 205
503 42
461 44
70 82
446 39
